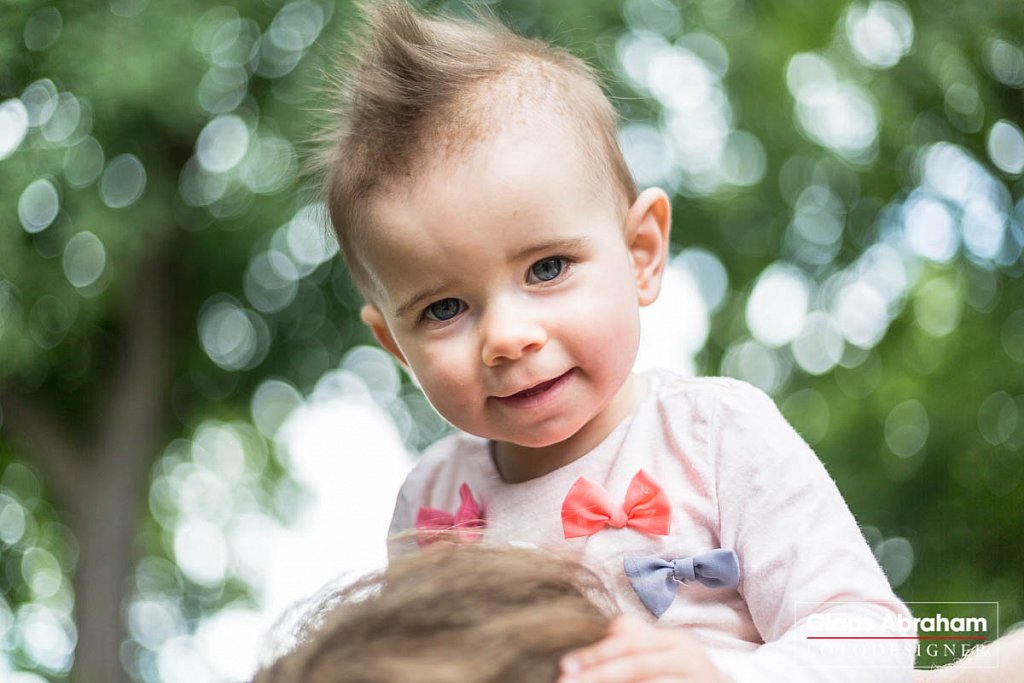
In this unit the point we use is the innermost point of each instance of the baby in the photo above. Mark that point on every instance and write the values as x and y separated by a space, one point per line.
487 215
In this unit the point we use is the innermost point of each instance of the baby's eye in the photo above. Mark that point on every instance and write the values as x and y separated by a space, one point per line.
443 310
548 269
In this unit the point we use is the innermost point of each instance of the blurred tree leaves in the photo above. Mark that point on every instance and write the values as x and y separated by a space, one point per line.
140 307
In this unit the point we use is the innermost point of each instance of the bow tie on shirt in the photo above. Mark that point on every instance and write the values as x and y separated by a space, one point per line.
465 526
588 508
655 580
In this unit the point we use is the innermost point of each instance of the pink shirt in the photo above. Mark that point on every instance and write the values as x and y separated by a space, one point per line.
738 477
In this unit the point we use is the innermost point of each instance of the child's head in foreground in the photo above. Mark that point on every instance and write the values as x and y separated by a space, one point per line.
486 213
452 615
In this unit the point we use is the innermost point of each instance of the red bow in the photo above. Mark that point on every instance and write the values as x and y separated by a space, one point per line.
465 526
587 508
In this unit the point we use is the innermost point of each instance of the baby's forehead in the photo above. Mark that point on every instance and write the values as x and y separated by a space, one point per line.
527 183
519 159
529 106
514 152
512 141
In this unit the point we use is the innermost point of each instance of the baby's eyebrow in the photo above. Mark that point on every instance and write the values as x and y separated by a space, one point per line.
411 302
552 245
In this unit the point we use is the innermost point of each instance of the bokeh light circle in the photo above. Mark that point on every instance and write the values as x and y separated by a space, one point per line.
1006 146
83 162
123 181
222 143
38 205
819 345
233 337
13 126
778 305
906 428
43 29
85 257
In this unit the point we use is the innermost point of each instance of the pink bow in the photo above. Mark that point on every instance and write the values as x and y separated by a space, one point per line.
587 508
465 526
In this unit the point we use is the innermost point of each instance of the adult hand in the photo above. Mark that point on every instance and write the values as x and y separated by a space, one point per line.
637 652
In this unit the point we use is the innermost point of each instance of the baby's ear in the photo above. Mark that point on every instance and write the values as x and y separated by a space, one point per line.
648 223
374 319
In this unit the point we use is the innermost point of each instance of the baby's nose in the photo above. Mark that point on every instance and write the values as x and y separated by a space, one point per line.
510 336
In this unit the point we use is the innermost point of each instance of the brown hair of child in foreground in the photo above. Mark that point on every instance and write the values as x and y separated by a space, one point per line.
469 615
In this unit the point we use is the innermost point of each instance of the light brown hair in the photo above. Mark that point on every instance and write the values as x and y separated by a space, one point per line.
414 87
469 614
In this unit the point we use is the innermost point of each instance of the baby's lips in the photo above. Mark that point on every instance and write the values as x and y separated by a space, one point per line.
534 388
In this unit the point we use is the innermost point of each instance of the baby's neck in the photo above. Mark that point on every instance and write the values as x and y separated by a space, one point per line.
517 463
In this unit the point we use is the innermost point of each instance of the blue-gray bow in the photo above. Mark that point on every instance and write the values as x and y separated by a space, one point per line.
655 580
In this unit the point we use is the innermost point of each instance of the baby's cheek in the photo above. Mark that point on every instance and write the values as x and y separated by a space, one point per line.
444 376
610 318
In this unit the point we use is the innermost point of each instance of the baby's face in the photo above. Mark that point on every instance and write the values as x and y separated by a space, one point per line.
510 288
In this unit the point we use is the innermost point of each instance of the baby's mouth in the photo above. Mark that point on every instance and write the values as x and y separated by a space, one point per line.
523 397
536 389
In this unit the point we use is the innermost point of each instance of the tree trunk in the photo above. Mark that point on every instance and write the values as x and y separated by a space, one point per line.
101 483
106 533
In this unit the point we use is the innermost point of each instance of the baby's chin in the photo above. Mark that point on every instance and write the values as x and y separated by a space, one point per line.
535 442
538 438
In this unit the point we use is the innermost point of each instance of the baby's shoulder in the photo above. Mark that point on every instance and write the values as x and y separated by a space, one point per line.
676 390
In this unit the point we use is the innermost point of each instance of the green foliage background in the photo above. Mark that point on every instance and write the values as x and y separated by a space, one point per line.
135 70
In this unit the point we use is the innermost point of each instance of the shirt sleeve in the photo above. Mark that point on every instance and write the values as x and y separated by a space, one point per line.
814 590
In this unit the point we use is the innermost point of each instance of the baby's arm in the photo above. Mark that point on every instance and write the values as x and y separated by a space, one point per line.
814 590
